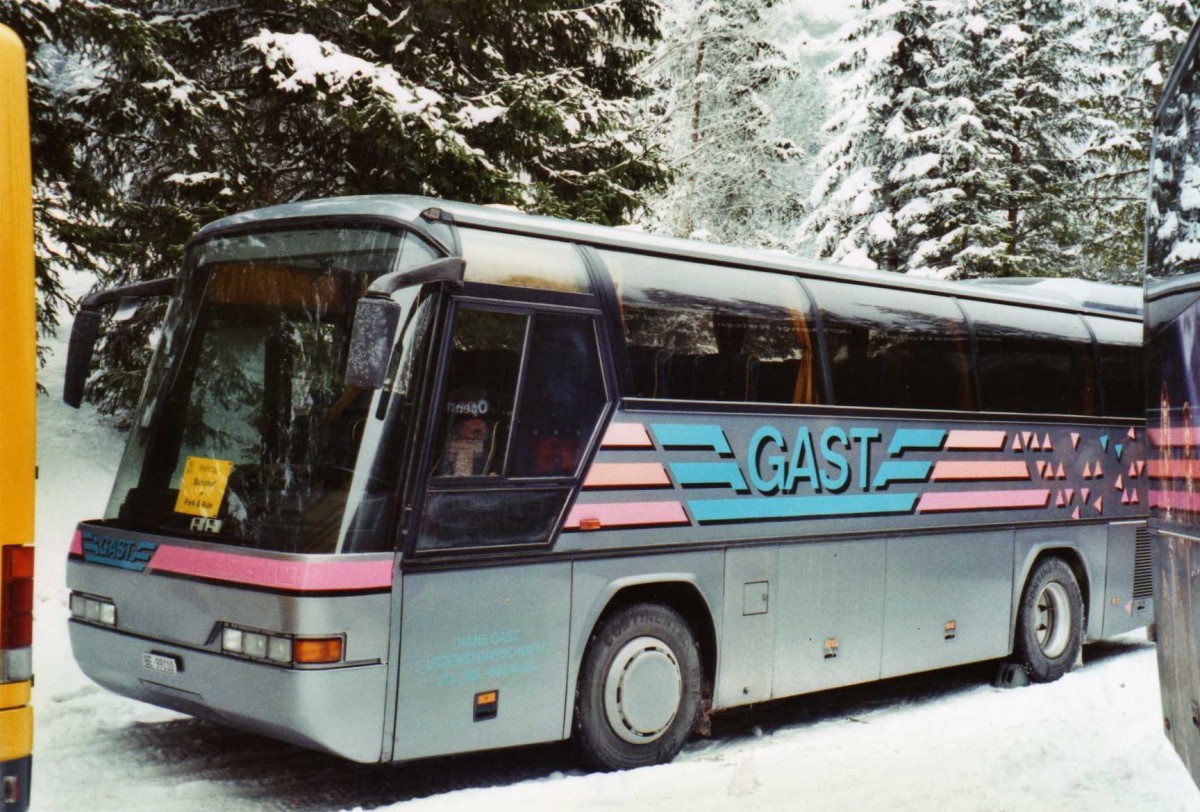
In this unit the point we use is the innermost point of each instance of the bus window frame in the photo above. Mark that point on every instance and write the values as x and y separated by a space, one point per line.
502 299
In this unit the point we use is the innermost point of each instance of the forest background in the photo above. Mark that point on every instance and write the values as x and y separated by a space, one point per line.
947 138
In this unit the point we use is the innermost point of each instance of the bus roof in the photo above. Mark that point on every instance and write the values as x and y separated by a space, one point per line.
1059 294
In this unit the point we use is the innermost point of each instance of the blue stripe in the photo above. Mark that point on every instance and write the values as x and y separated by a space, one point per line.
916 439
691 435
710 473
799 507
901 471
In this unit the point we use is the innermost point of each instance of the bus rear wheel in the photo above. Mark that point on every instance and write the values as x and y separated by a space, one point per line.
639 688
1049 621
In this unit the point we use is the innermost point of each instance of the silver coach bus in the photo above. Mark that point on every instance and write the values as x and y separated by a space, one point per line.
411 478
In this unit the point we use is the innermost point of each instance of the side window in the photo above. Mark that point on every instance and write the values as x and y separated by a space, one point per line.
497 258
1033 361
702 332
1122 366
481 386
562 397
894 348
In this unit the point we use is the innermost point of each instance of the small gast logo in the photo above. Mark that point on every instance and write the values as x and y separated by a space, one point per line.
114 551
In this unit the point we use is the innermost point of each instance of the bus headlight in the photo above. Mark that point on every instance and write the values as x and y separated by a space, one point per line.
93 609
280 649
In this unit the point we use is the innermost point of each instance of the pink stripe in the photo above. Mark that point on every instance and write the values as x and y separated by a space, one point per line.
976 470
1174 469
960 440
77 543
1174 437
627 514
982 500
301 576
626 475
1175 500
626 435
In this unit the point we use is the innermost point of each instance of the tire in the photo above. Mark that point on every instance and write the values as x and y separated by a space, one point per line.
639 690
1049 621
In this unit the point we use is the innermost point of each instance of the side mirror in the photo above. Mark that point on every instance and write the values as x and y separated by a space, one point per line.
85 332
376 322
378 318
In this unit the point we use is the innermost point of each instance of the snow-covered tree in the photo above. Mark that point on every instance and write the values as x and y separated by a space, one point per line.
875 163
736 107
196 108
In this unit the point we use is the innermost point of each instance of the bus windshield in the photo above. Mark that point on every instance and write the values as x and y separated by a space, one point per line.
247 433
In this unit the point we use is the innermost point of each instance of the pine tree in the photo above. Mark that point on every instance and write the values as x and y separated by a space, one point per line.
874 164
197 109
735 108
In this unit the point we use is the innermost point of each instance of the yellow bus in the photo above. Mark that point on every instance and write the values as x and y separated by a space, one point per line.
17 376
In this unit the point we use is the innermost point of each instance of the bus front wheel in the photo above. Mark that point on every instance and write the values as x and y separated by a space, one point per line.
1049 621
639 688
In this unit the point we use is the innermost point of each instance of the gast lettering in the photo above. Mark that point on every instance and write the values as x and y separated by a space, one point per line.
114 551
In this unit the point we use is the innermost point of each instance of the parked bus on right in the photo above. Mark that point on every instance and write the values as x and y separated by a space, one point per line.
1172 322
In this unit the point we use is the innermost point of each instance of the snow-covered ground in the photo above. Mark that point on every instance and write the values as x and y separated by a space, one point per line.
944 741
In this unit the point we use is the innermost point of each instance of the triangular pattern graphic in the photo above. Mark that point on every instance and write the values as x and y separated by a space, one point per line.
1133 500
1060 502
1087 470
1041 466
1017 444
1104 441
1084 493
1141 464
1099 504
1070 492
1035 444
1119 448
1075 439
1046 446
1131 434
1119 484
1124 497
1133 470
1062 472
1075 513
1025 435
1099 472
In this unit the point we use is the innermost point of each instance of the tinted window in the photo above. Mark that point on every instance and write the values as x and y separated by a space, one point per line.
1122 366
481 385
1033 361
701 332
894 348
561 398
491 518
528 262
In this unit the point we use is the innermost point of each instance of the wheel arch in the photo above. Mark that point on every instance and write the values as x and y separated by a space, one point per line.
679 590
1074 559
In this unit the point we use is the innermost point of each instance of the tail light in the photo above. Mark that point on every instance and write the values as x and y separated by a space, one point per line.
16 597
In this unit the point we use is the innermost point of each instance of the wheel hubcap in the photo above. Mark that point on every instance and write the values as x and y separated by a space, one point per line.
642 690
1052 624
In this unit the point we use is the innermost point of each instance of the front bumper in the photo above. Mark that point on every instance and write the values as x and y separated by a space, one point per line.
337 710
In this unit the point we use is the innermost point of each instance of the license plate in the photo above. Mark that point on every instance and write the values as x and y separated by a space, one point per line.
161 663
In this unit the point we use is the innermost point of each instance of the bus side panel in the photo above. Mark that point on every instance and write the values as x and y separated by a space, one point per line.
1089 544
1128 594
596 582
945 599
748 634
1177 585
467 633
830 625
